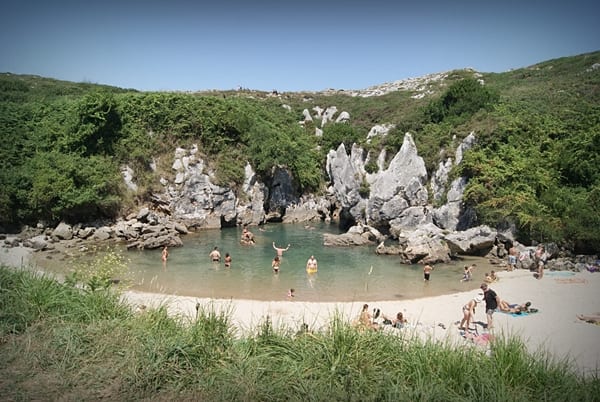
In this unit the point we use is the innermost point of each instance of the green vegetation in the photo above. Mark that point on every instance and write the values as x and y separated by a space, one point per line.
535 165
62 342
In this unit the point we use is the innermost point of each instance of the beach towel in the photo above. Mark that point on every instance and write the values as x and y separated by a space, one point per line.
559 273
481 340
521 314
570 280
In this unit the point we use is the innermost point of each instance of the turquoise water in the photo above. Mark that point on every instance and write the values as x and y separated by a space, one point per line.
345 274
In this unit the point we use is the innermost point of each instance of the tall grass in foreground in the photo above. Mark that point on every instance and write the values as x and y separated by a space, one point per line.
60 342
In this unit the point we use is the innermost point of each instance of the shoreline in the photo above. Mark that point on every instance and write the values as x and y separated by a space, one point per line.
559 297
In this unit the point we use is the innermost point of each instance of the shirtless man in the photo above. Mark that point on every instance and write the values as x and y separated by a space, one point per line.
247 236
311 265
280 250
215 255
427 272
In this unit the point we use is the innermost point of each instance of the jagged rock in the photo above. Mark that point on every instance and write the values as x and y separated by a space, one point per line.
328 115
180 228
196 198
404 179
307 116
358 235
452 215
283 193
343 117
309 209
143 214
382 248
128 173
379 130
408 218
253 211
423 245
161 241
475 241
346 240
345 176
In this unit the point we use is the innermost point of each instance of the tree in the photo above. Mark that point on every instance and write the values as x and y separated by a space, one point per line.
97 126
461 100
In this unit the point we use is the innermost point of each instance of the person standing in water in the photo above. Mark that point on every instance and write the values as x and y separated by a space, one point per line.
215 255
165 254
311 265
227 260
427 272
275 264
280 250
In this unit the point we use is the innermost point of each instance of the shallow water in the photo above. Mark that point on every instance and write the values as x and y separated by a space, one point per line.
345 274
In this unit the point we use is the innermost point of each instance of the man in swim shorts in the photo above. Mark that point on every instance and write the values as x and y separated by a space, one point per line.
492 300
311 265
427 272
215 255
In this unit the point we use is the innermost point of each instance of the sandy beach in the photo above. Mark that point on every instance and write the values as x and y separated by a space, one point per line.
559 297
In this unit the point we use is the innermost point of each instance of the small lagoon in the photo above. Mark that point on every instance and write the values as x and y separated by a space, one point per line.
345 274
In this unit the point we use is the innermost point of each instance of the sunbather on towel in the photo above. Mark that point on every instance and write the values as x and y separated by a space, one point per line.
505 307
591 318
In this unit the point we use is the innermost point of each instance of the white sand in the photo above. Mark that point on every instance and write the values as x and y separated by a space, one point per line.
15 256
555 328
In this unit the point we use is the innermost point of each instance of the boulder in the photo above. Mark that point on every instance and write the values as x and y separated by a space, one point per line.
423 245
63 231
475 241
102 233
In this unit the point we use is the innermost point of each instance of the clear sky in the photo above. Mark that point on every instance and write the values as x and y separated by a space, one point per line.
286 45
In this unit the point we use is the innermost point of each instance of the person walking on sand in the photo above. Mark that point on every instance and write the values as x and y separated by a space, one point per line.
512 257
492 300
468 311
427 272
540 257
311 265
280 250
215 255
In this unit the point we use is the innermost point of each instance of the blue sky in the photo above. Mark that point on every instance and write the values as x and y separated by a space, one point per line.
285 45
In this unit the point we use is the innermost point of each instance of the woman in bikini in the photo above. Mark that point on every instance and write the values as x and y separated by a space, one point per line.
275 264
469 312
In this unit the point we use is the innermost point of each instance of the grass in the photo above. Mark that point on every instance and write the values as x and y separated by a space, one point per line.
60 342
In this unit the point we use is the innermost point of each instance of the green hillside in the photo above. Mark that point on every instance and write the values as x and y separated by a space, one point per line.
536 164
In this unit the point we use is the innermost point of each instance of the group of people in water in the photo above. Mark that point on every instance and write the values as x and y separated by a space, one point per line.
247 238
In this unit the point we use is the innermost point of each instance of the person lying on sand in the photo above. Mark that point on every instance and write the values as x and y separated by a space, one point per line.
591 318
506 307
